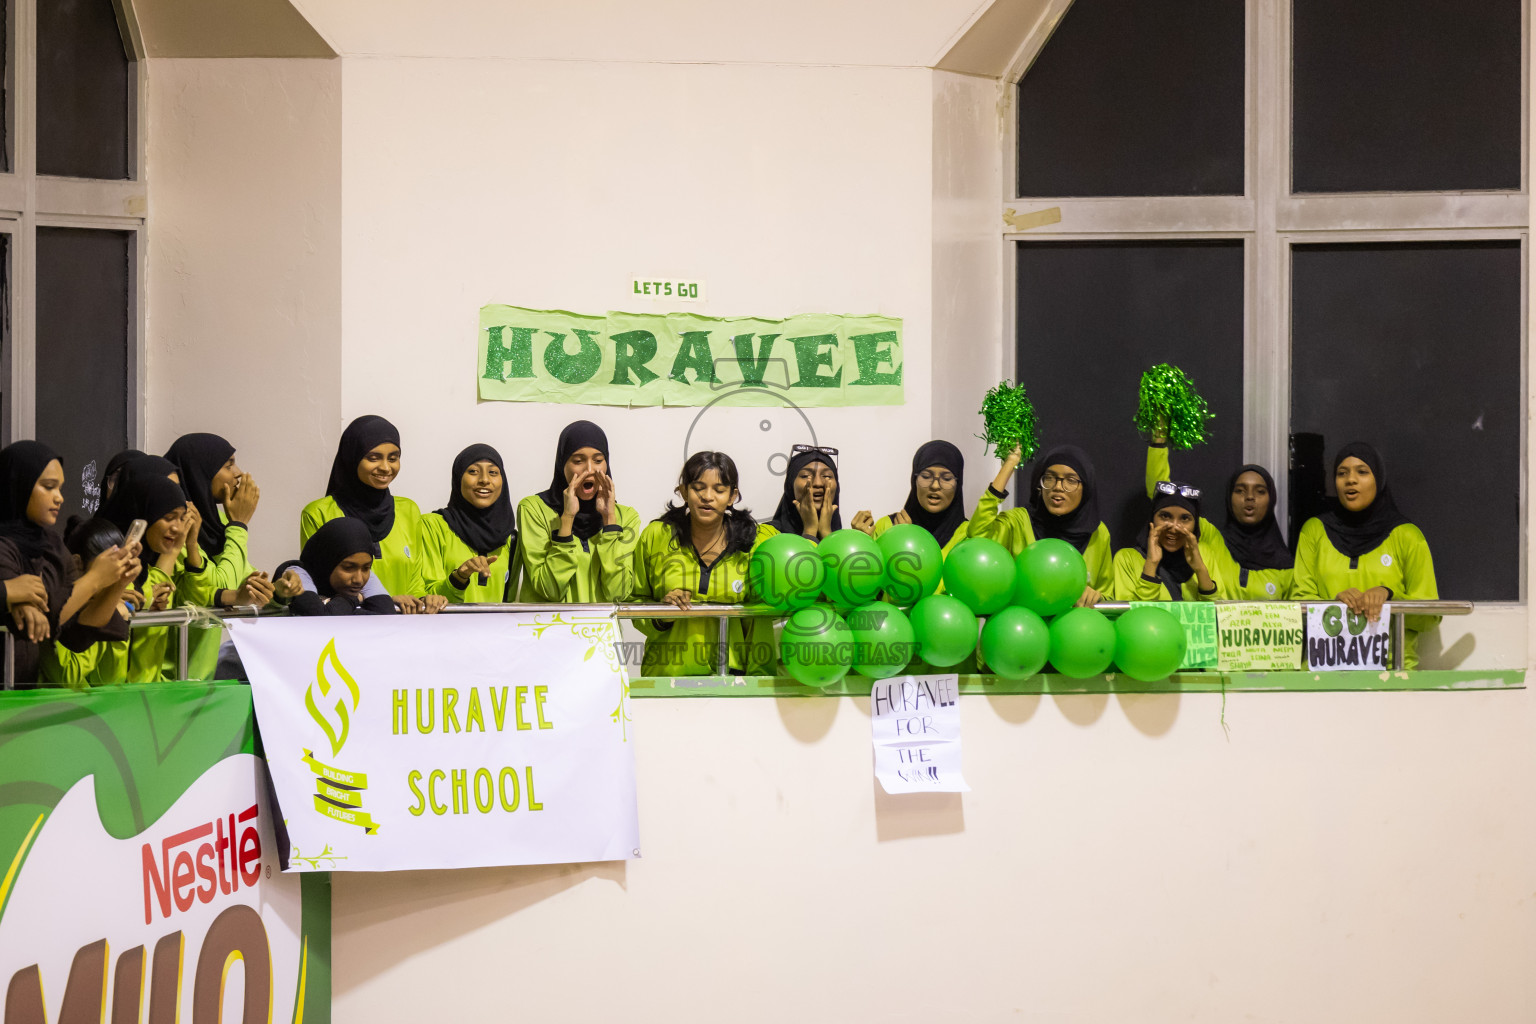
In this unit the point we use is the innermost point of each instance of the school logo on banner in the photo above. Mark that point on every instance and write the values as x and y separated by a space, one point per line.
446 741
140 867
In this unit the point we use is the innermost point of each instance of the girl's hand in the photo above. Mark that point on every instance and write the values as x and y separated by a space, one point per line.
194 523
1192 550
133 599
1090 598
1160 431
572 502
20 590
864 522
1154 548
433 603
31 623
241 503
901 518
808 519
1007 469
824 514
256 590
480 565
408 605
1367 603
111 566
607 501
288 586
160 598
679 598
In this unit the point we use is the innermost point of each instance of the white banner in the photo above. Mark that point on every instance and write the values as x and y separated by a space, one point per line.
914 723
446 741
1338 639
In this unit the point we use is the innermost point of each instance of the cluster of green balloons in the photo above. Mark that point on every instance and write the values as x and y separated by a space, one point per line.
838 623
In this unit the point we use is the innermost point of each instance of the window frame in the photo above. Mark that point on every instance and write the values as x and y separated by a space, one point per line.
29 200
1270 219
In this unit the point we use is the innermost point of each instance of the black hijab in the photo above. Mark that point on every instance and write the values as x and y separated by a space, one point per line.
198 458
116 463
21 464
1261 545
146 496
483 529
1173 569
335 542
1355 533
941 524
374 506
785 518
1078 526
133 473
576 436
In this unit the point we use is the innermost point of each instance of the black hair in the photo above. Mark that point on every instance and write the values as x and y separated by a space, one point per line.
740 527
90 537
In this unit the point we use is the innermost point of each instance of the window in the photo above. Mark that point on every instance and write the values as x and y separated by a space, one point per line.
1373 247
72 203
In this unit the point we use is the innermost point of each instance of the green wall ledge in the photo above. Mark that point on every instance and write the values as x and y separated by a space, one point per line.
1188 682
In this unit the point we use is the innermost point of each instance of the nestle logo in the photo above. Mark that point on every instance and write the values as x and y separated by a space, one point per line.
216 866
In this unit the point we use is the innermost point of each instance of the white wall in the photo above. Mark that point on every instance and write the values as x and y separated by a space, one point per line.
547 184
244 303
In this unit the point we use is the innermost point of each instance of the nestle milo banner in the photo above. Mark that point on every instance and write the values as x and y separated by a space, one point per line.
446 741
140 864
537 355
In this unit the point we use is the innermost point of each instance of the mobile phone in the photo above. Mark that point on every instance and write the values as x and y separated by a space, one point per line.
135 533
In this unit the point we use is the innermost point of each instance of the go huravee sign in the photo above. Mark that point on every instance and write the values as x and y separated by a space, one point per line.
630 359
141 877
448 741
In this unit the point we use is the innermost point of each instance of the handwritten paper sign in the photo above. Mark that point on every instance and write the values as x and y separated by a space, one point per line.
1264 636
1199 620
1340 640
915 725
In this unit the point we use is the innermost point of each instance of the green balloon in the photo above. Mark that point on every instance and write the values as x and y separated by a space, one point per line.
1149 644
855 569
816 646
883 642
785 572
980 573
914 563
1015 642
1050 577
1082 643
945 630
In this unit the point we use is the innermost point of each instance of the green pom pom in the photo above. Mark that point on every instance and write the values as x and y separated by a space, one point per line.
1169 401
1008 417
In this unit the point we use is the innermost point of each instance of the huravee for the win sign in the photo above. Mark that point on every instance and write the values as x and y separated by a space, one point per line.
139 874
448 741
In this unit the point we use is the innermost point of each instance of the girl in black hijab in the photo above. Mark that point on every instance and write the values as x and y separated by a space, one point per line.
935 496
337 564
467 544
1063 505
367 462
809 503
576 543
1259 564
1172 557
1363 551
224 499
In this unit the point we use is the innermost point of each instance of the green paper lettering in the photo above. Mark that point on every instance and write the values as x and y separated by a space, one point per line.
694 354
811 352
570 368
871 350
752 370
508 361
631 351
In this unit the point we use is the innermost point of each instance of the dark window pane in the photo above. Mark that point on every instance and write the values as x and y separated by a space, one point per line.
1092 316
1415 348
1406 95
84 338
84 90
1136 99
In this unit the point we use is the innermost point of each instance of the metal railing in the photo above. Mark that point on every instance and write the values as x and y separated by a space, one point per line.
184 618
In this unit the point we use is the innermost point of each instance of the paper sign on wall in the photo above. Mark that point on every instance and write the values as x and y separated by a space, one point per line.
1199 621
1340 640
1263 636
915 725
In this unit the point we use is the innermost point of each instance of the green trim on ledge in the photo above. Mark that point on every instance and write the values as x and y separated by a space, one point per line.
1190 682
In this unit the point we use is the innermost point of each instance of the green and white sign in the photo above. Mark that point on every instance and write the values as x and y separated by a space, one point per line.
140 864
634 359
447 741
1262 636
1199 621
